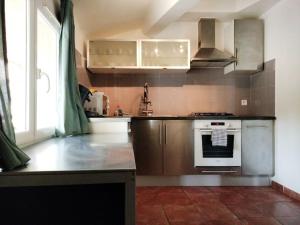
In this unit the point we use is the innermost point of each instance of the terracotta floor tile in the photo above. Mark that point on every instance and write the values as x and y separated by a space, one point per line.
260 221
215 206
279 209
173 198
196 190
224 189
171 190
146 199
265 196
289 220
232 198
246 210
151 215
147 190
253 189
190 223
224 222
189 215
293 204
204 197
216 211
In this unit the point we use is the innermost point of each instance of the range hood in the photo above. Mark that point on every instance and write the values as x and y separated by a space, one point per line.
207 55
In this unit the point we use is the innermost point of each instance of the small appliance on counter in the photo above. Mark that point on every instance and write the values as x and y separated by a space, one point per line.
98 104
95 103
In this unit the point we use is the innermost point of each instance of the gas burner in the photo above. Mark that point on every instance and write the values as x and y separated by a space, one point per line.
198 114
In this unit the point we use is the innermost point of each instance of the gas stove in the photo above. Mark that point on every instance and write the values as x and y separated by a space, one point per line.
198 114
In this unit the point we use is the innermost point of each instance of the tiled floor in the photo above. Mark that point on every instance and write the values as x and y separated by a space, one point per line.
215 206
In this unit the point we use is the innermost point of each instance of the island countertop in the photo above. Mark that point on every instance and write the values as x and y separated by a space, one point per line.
79 154
97 166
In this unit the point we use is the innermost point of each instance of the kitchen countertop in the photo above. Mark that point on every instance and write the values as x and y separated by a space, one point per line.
179 117
79 154
61 166
110 119
174 117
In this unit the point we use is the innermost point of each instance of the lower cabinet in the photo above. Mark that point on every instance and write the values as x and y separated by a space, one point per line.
147 144
178 148
257 147
166 147
163 147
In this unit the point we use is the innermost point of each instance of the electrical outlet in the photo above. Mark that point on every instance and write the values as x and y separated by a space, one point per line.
244 102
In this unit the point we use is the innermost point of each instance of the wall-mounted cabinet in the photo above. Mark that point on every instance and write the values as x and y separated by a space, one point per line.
244 38
172 54
106 56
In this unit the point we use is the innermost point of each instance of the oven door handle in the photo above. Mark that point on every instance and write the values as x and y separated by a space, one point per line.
219 171
210 130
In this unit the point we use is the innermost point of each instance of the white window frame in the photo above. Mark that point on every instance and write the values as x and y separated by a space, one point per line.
32 135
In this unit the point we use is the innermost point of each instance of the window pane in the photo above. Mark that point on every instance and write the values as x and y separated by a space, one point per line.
15 11
47 58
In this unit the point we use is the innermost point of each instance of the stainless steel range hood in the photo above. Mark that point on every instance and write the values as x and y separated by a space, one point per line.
208 56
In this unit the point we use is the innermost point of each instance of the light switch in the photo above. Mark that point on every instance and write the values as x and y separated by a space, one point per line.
244 102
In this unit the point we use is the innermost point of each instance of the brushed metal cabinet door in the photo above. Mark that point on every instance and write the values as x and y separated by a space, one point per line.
178 147
257 147
147 145
249 44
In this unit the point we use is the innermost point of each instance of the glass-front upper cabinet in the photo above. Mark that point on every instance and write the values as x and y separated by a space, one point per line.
169 54
128 56
112 54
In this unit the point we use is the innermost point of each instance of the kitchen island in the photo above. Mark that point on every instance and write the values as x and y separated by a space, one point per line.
87 179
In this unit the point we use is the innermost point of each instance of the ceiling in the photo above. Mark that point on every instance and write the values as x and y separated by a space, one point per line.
225 10
102 15
152 16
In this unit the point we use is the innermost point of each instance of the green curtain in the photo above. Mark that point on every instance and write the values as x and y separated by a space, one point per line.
72 119
11 156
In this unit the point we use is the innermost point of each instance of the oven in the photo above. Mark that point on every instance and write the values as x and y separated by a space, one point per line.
205 154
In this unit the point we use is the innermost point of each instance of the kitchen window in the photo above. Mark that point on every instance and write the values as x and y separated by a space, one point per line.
32 34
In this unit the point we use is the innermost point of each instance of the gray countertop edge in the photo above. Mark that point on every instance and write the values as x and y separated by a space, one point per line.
19 172
203 118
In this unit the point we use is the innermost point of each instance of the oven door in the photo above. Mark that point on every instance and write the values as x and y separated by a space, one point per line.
208 155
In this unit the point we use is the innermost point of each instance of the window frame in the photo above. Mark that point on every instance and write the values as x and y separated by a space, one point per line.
33 135
50 18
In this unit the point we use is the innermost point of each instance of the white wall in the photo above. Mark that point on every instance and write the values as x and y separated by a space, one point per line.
157 9
181 30
282 42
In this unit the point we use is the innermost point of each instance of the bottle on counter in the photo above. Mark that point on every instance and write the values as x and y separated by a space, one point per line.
119 111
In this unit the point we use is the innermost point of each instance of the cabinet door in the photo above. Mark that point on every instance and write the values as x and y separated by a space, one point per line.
112 54
257 147
165 54
178 147
249 44
147 145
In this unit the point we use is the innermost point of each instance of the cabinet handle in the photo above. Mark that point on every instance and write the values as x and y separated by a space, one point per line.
219 171
165 133
258 126
160 133
236 56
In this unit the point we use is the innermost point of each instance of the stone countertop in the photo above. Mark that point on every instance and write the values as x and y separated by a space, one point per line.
79 154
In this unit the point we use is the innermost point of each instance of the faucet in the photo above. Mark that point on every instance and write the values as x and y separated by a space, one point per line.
147 102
